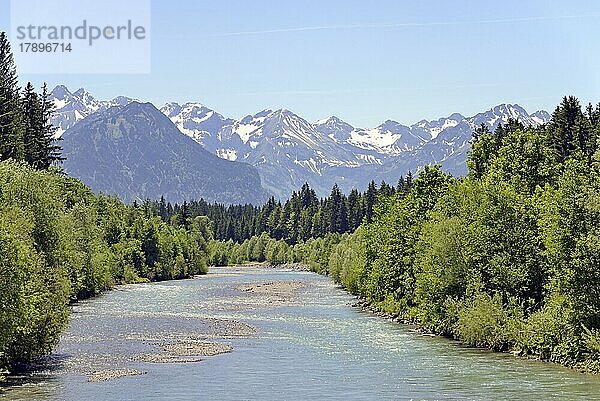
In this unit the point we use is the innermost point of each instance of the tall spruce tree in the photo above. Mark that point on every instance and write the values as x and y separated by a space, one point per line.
408 182
569 130
163 209
355 215
32 118
370 198
39 148
50 151
479 132
385 189
337 211
11 125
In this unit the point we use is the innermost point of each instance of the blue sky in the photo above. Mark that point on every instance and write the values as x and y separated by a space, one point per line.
362 61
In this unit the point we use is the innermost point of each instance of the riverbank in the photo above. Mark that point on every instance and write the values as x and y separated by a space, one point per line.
379 310
62 243
238 332
208 335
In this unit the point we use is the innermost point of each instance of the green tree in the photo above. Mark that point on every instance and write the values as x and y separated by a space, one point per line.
11 122
569 130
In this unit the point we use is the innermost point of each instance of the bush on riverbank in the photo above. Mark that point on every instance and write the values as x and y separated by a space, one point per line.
59 243
256 249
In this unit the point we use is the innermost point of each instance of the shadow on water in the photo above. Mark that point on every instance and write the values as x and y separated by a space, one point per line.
47 365
38 380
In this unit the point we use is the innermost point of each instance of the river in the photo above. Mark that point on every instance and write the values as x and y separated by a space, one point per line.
270 334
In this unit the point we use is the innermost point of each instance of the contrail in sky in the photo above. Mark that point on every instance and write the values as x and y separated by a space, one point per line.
400 25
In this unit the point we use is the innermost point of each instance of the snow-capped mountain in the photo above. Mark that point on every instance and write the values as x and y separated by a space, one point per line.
335 128
195 120
500 115
73 107
136 152
288 150
390 138
451 138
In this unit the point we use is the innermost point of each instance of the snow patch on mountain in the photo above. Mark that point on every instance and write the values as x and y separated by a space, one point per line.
71 107
229 154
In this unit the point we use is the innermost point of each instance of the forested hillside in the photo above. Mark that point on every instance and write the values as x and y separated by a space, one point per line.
59 242
507 258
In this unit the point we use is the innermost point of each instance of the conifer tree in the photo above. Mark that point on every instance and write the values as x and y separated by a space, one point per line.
370 198
163 209
385 189
400 185
499 134
39 149
479 132
11 126
354 210
568 130
342 224
32 111
336 211
513 124
408 182
50 151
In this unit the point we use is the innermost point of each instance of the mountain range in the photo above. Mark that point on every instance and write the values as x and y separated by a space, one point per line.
137 153
287 150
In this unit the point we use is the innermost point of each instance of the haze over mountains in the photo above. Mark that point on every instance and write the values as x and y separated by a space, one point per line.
288 150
